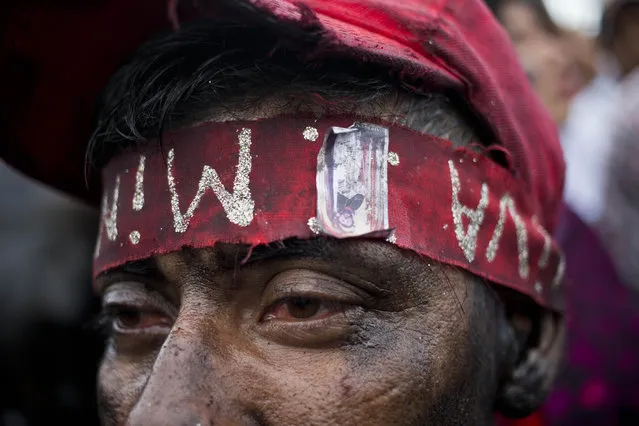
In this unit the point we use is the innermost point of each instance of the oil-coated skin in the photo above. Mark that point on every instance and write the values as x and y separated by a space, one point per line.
322 332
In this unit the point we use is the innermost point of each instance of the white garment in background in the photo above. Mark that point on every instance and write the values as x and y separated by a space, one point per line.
620 224
586 138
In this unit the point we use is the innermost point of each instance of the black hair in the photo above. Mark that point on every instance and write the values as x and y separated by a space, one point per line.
182 77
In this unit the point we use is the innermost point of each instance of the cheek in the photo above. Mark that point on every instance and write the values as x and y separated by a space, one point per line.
409 368
120 384
296 386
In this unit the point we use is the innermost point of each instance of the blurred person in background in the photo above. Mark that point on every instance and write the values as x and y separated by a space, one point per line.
597 382
558 62
47 356
620 223
574 82
589 134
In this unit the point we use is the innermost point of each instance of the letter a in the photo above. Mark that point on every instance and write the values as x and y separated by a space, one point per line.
467 239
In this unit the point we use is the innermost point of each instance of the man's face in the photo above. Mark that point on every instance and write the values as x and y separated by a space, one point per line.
312 332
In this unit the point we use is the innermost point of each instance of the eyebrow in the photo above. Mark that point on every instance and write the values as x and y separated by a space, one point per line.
319 247
292 248
142 268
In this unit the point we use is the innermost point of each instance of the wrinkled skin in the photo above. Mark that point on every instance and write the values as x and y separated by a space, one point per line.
315 333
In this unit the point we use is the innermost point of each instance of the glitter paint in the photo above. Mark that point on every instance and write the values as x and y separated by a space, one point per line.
392 238
238 206
561 270
545 254
134 237
467 240
393 159
310 134
314 226
110 216
138 196
507 205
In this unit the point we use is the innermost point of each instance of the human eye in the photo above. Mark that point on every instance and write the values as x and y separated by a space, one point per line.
127 319
307 308
301 308
135 317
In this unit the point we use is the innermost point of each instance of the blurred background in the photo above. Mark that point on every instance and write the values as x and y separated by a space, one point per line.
581 56
48 357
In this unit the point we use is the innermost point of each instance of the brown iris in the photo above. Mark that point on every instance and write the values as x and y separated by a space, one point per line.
303 307
128 319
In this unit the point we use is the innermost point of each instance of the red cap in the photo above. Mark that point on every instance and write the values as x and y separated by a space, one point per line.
56 59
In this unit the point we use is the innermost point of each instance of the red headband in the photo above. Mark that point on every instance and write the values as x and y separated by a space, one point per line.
256 182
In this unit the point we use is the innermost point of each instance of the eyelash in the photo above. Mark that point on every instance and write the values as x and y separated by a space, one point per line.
105 319
101 323
324 303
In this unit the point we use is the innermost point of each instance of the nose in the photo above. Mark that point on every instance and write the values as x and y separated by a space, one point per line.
184 387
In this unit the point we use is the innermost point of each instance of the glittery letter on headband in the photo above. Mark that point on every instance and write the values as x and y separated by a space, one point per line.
239 205
352 181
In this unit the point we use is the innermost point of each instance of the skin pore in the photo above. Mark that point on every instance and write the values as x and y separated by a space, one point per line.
318 332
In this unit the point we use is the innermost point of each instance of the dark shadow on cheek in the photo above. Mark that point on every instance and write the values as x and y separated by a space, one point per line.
395 349
107 406
381 354
494 344
258 418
